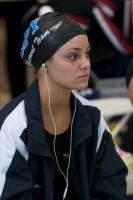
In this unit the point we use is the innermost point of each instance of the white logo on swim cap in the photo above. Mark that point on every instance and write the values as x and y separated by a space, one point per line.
56 26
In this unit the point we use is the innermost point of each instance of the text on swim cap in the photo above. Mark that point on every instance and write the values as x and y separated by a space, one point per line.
38 40
30 55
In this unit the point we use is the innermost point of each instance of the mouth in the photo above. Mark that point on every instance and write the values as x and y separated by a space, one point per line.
84 77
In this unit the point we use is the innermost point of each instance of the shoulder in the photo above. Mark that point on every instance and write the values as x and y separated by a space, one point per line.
93 115
87 104
12 112
13 122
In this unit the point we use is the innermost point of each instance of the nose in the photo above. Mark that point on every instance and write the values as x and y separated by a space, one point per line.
85 63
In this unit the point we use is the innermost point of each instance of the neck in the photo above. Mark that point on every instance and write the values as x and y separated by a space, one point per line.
59 104
59 96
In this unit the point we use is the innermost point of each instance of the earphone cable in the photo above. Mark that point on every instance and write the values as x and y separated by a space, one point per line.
54 141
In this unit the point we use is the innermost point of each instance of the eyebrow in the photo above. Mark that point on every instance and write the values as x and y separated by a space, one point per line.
78 49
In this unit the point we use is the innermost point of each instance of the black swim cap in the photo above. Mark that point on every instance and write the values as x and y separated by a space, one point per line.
45 35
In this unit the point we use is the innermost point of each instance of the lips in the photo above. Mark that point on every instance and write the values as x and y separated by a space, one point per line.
84 76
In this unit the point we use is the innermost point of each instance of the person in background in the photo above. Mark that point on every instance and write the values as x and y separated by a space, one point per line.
54 144
109 27
12 12
129 81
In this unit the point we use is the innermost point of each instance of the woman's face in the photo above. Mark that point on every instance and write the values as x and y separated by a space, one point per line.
70 65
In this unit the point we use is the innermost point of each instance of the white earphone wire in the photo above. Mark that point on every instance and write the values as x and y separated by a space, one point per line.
55 133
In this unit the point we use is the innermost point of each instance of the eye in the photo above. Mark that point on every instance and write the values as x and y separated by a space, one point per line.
73 56
87 54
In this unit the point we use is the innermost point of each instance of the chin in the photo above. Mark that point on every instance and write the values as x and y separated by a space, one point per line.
82 87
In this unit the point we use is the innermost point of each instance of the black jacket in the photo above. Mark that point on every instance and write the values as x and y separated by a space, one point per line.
27 167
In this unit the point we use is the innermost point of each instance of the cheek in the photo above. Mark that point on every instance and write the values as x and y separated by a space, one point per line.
62 73
65 74
64 69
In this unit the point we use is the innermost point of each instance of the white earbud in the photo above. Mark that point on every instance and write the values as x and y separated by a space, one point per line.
44 65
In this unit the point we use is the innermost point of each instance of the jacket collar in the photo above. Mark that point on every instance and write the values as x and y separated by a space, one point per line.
82 125
37 143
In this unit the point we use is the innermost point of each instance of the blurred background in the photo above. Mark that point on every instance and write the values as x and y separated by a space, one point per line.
109 26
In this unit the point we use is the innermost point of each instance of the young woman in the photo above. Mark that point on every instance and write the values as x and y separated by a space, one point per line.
54 144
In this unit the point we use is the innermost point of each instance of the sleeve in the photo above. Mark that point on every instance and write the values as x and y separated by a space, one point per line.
15 176
109 181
